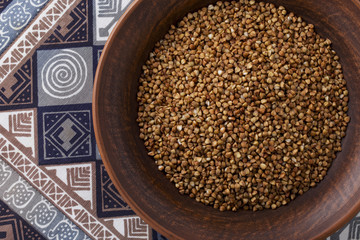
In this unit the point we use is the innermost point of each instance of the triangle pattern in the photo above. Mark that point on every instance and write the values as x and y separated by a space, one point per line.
101 234
69 211
20 162
43 182
87 226
6 67
11 152
93 225
21 169
52 196
13 59
27 169
27 162
76 211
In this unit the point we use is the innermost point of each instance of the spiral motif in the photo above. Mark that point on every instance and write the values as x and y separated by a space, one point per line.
64 75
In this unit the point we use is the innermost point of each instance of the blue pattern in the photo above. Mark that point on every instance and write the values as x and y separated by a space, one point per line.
65 134
15 17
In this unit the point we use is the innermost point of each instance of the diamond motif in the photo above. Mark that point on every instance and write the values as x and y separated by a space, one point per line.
65 136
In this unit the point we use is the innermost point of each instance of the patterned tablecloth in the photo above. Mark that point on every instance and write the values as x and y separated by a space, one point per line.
53 184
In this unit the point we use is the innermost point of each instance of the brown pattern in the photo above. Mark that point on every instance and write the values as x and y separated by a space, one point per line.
135 228
51 189
78 178
20 124
79 187
17 88
73 27
9 229
28 135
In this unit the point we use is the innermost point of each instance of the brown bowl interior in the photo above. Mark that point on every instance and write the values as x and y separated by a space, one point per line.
314 215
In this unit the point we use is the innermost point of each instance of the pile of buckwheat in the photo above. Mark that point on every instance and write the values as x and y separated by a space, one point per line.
243 105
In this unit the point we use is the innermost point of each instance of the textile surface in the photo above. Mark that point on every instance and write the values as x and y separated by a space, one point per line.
53 184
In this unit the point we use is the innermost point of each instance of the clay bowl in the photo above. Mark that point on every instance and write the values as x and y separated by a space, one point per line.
314 215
